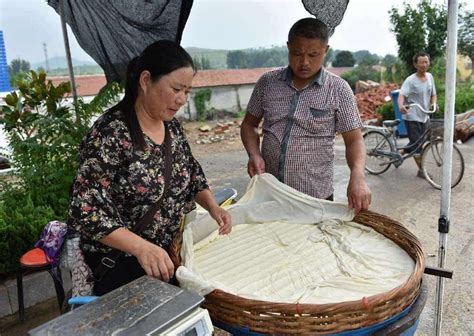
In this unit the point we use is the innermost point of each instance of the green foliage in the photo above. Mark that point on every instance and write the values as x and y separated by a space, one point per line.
343 59
419 28
329 56
466 34
18 70
386 111
389 62
78 70
217 58
44 135
21 222
464 100
362 72
201 99
202 63
257 58
365 57
18 65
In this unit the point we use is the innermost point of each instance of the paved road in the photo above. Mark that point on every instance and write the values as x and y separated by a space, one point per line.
401 195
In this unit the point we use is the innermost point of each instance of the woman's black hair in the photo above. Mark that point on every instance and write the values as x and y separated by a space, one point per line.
159 58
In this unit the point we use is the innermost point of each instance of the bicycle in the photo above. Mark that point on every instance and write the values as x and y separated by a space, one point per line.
383 151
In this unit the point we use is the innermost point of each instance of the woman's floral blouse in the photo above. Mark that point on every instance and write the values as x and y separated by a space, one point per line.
116 184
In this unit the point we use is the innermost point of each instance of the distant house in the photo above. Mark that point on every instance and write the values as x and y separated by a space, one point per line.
230 89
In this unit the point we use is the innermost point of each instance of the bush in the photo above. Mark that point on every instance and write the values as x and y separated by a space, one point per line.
386 111
464 100
21 223
363 73
44 135
201 99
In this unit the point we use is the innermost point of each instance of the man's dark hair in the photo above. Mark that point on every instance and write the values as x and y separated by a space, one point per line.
420 54
310 28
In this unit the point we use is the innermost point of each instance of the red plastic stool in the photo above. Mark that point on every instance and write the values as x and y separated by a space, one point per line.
35 261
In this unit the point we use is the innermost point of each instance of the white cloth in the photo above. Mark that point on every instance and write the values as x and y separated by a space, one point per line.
289 247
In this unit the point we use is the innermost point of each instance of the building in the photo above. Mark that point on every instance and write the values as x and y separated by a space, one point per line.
230 89
4 78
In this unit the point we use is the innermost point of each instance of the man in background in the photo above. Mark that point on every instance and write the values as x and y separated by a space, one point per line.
418 88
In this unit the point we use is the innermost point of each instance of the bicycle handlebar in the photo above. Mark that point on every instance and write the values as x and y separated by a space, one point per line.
434 106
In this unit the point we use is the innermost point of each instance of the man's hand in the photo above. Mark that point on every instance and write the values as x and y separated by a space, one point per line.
155 261
223 219
359 195
403 109
256 165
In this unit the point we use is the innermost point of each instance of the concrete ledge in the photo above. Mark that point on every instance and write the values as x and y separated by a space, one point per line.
37 287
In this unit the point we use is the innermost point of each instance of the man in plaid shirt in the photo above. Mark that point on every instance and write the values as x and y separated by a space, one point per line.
302 107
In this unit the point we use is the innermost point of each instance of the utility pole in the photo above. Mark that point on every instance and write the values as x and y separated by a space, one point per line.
46 56
68 51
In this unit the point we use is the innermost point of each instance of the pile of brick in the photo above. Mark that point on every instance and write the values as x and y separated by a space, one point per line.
369 101
222 131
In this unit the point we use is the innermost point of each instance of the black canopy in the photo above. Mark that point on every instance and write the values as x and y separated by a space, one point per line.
113 32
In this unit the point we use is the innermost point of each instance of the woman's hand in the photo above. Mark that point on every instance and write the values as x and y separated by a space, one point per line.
155 261
223 219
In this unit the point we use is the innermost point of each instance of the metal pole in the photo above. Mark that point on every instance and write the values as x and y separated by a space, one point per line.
450 95
68 52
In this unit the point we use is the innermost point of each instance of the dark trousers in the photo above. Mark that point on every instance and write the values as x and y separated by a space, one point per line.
415 130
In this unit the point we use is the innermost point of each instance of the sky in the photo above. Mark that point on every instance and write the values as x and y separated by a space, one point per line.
215 24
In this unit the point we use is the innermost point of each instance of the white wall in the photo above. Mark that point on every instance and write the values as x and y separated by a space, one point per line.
230 98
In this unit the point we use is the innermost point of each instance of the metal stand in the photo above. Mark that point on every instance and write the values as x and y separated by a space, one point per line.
443 223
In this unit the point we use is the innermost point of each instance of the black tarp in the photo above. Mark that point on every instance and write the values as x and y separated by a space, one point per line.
113 32
329 12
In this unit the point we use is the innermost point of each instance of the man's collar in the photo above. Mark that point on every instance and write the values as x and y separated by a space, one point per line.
287 76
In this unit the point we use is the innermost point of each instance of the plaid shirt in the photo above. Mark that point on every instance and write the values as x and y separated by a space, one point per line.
299 127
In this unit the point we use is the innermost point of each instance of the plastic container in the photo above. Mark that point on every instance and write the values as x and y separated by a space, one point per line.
401 128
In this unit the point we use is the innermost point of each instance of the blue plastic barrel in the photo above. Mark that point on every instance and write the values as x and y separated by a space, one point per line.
401 128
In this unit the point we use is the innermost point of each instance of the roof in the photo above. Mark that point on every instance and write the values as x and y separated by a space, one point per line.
340 70
85 85
209 78
91 85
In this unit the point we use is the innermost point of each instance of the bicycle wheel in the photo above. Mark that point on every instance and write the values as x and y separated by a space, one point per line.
376 144
432 164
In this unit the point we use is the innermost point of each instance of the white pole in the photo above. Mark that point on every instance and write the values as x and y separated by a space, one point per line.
450 96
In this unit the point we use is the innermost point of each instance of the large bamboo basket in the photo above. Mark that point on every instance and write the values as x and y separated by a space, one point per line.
283 318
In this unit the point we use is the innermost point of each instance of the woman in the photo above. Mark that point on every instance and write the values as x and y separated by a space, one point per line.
122 169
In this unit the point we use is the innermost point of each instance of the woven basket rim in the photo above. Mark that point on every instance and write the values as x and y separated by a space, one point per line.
387 303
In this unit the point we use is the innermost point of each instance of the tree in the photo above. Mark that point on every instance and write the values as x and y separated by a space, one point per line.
363 72
419 28
197 63
365 57
205 63
237 60
343 59
329 56
466 34
18 70
389 62
18 65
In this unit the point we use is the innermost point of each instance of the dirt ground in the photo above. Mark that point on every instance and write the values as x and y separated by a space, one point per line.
228 142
